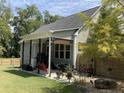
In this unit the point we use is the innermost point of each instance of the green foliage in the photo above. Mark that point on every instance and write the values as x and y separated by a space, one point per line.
16 81
28 20
48 18
119 3
4 10
1 50
106 37
5 34
69 68
5 37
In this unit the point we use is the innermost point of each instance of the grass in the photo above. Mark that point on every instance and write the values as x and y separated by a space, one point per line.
14 81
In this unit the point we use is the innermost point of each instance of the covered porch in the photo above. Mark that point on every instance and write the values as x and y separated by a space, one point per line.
48 49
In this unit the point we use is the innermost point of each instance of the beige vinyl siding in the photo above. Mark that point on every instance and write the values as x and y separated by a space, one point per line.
64 34
83 36
84 33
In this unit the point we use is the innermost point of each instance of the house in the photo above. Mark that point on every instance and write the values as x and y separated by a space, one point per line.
58 41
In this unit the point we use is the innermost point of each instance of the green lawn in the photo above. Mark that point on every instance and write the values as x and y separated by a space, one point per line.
14 81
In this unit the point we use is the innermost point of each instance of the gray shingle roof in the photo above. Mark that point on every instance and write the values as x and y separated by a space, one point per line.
72 21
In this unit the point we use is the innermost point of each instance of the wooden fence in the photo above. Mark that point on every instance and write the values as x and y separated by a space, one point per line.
9 61
112 68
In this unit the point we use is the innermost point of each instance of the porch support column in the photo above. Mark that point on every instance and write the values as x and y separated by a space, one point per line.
30 52
74 51
39 45
49 58
23 44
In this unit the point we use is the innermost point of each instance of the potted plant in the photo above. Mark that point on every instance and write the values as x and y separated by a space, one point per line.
69 76
58 73
69 72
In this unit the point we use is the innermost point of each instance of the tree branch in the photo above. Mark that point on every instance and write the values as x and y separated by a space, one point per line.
120 3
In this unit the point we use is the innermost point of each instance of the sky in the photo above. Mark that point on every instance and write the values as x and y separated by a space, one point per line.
59 7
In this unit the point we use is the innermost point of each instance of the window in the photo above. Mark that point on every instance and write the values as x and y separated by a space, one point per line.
57 50
62 51
67 54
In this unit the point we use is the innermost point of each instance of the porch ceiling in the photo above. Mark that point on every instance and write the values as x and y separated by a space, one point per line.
65 34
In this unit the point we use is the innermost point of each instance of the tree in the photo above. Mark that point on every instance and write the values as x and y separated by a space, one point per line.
48 18
27 21
5 34
106 37
119 3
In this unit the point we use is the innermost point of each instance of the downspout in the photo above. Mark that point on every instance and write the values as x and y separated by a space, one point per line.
75 47
74 50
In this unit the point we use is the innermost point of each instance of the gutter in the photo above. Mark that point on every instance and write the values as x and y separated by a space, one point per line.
77 32
64 29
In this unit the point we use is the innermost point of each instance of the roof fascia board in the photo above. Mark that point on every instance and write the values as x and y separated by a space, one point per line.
64 29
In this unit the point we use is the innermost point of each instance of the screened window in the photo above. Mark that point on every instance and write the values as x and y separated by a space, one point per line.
57 50
61 51
67 54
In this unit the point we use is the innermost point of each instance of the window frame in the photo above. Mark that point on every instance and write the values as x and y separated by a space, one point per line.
64 51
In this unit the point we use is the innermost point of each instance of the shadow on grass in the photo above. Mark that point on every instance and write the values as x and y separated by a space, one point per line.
18 67
65 89
19 73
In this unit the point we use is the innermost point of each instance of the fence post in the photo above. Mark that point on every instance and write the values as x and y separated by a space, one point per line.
13 62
